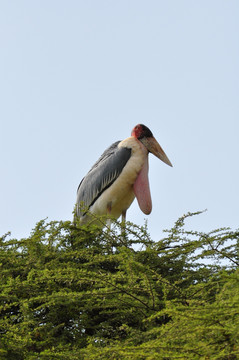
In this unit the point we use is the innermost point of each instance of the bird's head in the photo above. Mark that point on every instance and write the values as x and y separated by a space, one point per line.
145 136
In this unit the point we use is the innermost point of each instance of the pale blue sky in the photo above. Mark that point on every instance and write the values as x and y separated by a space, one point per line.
75 76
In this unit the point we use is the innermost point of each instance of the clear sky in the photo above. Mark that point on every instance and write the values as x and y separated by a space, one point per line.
75 76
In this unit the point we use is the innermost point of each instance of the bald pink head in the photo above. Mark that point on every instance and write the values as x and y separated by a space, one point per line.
140 131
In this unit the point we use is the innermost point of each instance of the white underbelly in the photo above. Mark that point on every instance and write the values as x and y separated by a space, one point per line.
114 201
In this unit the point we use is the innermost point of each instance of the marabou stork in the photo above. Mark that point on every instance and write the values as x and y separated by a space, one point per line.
120 175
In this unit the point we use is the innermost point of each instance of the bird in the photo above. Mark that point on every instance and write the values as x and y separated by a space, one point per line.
117 177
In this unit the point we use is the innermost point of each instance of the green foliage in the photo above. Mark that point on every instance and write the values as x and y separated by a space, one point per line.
70 292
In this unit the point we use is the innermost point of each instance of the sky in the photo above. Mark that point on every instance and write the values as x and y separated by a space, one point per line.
76 76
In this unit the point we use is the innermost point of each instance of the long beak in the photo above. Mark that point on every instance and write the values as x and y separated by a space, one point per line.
153 146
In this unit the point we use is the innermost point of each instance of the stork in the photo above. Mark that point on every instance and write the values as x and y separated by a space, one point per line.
120 175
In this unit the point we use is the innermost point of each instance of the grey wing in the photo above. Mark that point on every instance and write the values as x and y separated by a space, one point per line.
103 173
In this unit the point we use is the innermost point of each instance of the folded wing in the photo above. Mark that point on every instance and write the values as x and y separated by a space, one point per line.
101 176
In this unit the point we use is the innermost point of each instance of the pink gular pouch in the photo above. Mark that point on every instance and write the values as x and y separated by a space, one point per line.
142 190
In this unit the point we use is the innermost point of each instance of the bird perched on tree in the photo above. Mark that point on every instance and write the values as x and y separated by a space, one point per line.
120 175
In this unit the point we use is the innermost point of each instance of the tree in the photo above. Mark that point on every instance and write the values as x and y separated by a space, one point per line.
70 292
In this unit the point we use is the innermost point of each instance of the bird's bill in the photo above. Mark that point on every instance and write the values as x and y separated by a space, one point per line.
153 146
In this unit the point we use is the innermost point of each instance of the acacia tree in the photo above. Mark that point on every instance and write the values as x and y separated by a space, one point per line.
70 292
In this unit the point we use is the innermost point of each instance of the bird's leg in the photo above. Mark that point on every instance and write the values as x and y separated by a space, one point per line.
123 233
108 221
124 216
